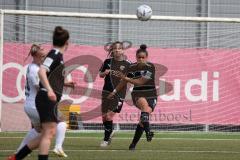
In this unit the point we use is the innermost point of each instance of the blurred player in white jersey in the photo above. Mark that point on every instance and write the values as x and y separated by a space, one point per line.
31 89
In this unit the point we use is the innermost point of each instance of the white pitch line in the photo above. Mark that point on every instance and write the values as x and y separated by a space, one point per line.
159 138
161 151
156 151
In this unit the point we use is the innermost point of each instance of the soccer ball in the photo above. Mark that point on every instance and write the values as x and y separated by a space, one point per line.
144 12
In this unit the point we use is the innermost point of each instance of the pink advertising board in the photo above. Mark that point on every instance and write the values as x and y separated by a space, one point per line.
205 83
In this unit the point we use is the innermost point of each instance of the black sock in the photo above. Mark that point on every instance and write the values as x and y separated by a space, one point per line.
42 157
138 134
108 128
145 121
23 152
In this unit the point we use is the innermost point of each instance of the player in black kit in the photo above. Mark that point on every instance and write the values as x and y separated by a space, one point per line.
49 94
144 94
51 88
110 107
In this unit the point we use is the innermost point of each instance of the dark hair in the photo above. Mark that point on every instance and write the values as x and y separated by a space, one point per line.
33 51
60 36
109 46
143 48
110 51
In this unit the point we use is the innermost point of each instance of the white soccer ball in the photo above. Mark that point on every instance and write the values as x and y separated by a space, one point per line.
144 12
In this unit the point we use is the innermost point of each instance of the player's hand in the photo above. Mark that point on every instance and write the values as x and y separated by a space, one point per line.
52 96
118 74
111 95
70 84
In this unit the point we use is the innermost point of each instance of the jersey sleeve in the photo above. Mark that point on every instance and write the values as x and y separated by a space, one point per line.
105 66
49 61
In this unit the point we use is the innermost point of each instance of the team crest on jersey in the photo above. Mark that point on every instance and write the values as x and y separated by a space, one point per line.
122 68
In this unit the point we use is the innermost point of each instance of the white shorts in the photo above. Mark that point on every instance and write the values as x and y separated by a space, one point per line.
32 114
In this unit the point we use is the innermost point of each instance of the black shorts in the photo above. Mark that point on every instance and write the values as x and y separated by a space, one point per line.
152 101
114 105
46 108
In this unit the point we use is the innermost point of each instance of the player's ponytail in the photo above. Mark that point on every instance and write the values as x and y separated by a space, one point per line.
33 51
60 36
142 48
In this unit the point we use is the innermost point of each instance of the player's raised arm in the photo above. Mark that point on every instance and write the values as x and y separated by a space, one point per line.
69 83
139 81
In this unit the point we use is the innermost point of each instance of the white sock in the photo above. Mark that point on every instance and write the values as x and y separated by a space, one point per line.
30 135
60 134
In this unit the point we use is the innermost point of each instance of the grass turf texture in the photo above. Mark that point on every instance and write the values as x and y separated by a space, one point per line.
165 146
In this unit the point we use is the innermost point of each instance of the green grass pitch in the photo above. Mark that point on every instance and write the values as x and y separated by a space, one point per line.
165 146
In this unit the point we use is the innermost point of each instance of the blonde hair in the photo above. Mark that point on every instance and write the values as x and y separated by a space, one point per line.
33 51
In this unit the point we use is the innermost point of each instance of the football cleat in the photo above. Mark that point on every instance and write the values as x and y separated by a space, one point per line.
132 147
149 136
105 143
59 152
13 157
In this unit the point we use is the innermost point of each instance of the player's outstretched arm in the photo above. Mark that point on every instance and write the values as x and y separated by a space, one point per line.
139 81
70 84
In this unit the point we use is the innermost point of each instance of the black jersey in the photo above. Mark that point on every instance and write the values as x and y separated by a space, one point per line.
54 65
110 81
147 71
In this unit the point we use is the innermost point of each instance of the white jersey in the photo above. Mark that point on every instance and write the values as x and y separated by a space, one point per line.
32 83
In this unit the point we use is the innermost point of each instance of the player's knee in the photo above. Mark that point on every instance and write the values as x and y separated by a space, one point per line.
141 102
143 105
51 133
140 123
110 116
109 119
147 109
